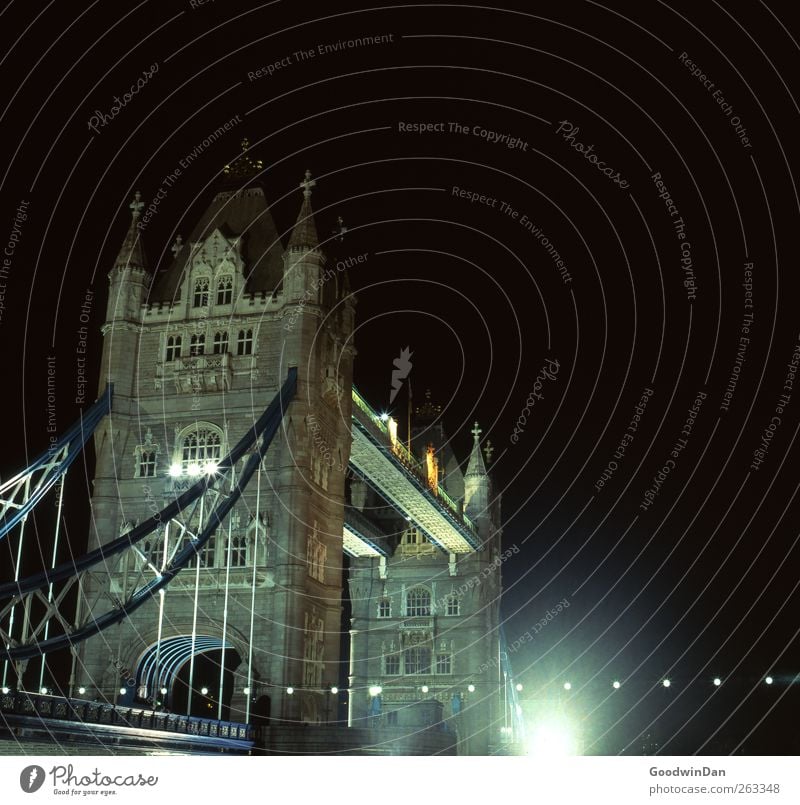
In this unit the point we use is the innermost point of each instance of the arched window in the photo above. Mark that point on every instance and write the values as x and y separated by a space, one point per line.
384 608
225 290
220 343
201 287
244 344
197 345
418 603
452 605
173 347
200 449
238 550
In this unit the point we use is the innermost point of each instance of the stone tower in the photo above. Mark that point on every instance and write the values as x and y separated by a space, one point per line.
425 622
196 351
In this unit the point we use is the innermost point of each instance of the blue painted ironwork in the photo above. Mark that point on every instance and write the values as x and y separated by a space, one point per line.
264 430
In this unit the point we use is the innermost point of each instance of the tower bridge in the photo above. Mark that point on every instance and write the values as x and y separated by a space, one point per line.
213 580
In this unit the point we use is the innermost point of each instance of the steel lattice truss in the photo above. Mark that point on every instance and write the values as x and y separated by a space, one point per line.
161 546
20 494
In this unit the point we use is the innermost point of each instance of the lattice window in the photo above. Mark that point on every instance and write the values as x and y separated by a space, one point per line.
201 291
413 536
452 605
220 343
146 456
225 290
418 603
417 660
153 549
207 553
244 343
391 665
200 450
444 663
384 608
197 345
238 550
173 347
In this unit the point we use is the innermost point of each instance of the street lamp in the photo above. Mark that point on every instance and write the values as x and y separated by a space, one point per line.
519 687
666 683
568 686
717 681
471 688
334 690
616 684
769 680
375 690
424 688
290 690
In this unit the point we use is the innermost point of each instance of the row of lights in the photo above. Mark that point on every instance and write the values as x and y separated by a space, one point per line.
194 470
616 684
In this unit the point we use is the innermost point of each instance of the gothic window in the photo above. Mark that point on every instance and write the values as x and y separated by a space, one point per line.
444 663
200 449
154 549
418 603
146 456
391 665
225 290
238 550
244 344
200 298
197 345
418 660
220 343
173 347
384 608
452 605
413 536
147 464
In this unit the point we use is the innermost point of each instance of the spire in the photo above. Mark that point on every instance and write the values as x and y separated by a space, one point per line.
132 255
304 234
476 465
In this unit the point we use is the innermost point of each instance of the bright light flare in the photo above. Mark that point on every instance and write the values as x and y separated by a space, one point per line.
81 690
666 683
334 690
471 688
717 681
375 690
211 467
568 686
616 684
519 687
424 688
290 691
175 470
769 680
193 470
552 739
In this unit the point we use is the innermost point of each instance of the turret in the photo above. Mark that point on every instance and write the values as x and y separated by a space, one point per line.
476 485
303 257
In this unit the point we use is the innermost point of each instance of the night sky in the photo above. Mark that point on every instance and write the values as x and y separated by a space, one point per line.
647 147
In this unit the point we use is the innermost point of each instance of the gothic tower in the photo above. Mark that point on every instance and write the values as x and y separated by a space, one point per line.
425 623
196 351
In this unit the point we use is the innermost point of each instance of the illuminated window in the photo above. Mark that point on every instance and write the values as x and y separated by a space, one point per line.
391 665
244 344
197 345
225 290
201 288
200 448
418 660
444 663
173 347
452 605
384 608
220 343
418 603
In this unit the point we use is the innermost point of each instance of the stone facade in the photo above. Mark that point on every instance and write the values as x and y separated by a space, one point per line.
196 352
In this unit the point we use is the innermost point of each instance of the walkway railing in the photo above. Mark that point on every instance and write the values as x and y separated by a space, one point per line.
404 455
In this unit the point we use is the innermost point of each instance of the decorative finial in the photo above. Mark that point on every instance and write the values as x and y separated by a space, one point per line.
340 228
308 184
137 204
488 450
177 246
476 431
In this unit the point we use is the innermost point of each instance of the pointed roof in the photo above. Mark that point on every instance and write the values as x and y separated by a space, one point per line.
476 465
241 213
304 235
131 254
